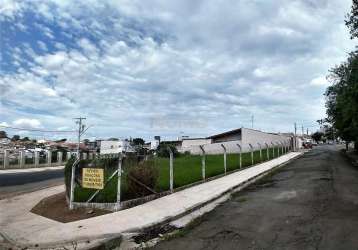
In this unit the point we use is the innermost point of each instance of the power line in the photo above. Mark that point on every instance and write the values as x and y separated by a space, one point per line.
38 130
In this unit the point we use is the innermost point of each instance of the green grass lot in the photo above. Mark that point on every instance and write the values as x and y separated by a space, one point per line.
187 170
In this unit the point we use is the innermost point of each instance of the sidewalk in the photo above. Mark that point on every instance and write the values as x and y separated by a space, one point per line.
20 227
28 170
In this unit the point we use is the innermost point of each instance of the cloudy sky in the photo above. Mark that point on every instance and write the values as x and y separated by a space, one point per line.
144 68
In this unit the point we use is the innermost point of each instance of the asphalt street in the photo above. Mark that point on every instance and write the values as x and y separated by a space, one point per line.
312 203
17 183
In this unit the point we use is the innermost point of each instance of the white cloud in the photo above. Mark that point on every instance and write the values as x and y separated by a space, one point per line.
27 123
178 60
4 124
42 45
319 81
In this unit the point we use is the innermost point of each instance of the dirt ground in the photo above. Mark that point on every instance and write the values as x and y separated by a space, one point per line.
312 203
56 208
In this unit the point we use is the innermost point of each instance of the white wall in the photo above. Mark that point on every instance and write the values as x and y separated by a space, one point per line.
154 144
110 147
249 136
115 147
189 144
253 137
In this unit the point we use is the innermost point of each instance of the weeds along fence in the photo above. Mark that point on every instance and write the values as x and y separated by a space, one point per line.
131 179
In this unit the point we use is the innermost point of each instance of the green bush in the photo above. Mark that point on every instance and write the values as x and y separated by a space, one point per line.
145 173
162 150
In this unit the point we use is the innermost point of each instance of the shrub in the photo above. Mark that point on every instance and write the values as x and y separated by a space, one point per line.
163 151
145 173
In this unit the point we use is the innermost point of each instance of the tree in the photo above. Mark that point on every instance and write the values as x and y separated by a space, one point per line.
15 138
352 20
25 139
317 136
138 141
3 134
342 99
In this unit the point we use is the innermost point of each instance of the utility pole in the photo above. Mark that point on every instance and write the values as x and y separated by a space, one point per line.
295 139
307 131
80 132
252 121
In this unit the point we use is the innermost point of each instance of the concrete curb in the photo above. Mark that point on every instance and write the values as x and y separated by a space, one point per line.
213 203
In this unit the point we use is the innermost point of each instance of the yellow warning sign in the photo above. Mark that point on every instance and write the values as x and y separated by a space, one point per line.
92 178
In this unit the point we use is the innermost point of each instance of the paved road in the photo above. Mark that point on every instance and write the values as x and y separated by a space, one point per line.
312 203
17 183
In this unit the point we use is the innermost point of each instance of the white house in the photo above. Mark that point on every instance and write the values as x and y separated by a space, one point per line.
5 141
244 137
154 144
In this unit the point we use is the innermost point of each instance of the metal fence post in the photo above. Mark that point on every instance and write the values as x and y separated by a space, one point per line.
267 151
278 148
252 154
273 150
240 158
202 162
171 179
222 145
260 151
119 174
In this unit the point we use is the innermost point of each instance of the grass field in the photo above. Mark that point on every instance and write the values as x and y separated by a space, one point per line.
187 170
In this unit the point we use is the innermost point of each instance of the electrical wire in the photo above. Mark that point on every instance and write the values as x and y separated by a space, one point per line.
38 130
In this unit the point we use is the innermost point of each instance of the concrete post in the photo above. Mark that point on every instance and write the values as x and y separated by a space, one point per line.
240 158
267 151
202 162
119 174
59 157
22 159
252 154
37 159
171 174
222 145
68 156
49 158
260 151
6 158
